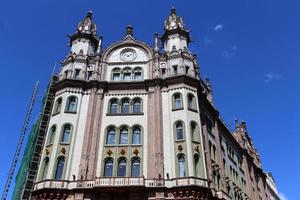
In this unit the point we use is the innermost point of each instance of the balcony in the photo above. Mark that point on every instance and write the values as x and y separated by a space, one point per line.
120 182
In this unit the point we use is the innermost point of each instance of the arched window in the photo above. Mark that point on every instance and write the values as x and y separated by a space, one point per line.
57 106
59 168
195 135
137 74
127 73
45 168
108 168
179 131
52 134
181 166
124 136
135 167
111 135
113 106
71 104
66 134
175 70
187 69
196 165
137 108
122 167
136 136
192 102
116 74
177 101
125 106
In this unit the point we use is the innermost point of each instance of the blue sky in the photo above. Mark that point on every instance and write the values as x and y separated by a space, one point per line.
248 48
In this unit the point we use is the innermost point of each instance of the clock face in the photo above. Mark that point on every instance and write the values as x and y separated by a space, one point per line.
128 55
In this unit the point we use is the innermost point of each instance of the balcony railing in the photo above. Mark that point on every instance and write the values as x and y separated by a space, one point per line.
121 182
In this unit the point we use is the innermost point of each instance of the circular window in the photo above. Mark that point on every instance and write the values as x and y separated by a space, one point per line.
128 55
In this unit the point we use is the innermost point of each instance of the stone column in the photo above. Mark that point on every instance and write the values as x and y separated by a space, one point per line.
155 165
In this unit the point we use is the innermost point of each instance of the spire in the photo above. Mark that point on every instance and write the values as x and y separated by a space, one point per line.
156 48
173 21
129 32
87 26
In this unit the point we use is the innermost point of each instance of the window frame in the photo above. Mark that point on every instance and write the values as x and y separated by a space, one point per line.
109 159
68 103
107 136
119 165
177 139
62 169
132 167
57 106
179 166
52 134
62 141
174 103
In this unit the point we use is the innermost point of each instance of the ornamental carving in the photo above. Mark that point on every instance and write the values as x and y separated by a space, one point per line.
109 152
122 151
136 152
180 148
63 151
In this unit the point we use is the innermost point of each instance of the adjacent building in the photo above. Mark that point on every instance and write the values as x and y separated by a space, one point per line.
137 122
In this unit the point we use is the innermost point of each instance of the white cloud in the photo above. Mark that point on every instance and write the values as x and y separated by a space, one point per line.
219 27
230 52
271 76
282 196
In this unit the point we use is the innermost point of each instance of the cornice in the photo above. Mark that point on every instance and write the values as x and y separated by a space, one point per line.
133 85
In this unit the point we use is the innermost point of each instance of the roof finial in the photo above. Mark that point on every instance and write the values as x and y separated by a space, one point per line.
173 10
156 48
89 14
129 31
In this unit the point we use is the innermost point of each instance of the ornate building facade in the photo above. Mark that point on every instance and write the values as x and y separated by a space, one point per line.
137 122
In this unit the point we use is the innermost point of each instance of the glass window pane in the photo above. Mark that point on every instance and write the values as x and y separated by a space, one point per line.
175 69
177 101
77 73
190 101
90 75
181 166
196 165
72 104
66 134
108 168
125 107
111 136
114 107
127 76
137 75
52 134
59 168
122 168
116 76
135 168
137 106
179 131
45 169
58 106
136 137
124 136
193 131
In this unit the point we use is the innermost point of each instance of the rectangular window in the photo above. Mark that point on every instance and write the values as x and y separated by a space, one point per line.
137 76
163 72
116 76
77 73
187 69
175 70
90 75
126 76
